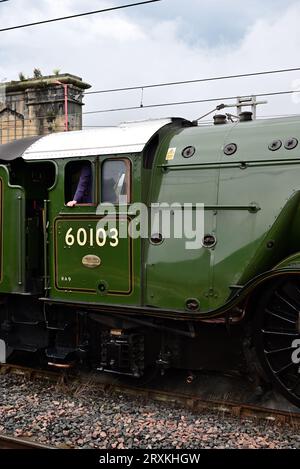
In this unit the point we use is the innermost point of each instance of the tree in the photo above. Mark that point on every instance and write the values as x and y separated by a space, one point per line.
37 73
22 76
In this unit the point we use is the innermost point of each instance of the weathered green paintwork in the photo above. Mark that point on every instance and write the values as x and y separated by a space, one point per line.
12 235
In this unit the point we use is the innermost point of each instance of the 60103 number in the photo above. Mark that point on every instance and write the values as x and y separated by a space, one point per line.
92 237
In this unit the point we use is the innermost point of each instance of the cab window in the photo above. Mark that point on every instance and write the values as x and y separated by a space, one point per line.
79 182
115 182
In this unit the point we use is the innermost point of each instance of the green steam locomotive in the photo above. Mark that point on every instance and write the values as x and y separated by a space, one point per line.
88 282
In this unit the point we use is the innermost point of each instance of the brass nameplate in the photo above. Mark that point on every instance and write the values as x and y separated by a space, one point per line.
91 261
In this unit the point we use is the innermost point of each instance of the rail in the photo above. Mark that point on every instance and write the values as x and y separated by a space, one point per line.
10 442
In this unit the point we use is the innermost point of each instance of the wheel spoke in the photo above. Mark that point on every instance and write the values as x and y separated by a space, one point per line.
290 334
283 368
278 350
284 300
293 292
278 316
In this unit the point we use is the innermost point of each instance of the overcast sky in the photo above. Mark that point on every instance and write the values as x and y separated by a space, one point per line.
166 41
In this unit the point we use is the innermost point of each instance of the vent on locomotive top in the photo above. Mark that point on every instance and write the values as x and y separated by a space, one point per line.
246 116
220 119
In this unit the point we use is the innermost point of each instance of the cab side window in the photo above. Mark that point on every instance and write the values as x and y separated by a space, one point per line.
115 182
79 182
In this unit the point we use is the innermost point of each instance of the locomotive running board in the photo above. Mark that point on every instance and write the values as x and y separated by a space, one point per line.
124 309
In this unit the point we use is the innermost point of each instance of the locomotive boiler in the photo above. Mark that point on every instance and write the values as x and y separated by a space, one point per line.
73 291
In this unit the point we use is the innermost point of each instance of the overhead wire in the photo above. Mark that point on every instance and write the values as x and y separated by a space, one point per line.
198 80
88 13
184 82
26 131
19 132
158 105
196 101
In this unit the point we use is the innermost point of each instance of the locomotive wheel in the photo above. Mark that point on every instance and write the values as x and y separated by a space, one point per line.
277 336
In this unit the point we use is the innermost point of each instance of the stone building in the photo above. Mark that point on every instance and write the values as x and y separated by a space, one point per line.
37 106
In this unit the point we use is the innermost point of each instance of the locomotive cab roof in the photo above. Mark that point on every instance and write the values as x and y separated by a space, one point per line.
125 138
13 150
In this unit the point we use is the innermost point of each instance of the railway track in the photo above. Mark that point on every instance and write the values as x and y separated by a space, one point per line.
226 407
187 399
9 442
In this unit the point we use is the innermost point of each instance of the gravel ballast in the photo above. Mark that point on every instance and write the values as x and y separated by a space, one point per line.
85 416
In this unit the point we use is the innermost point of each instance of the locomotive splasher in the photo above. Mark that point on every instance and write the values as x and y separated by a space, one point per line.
72 289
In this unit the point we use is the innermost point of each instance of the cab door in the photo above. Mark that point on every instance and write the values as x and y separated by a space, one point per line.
95 260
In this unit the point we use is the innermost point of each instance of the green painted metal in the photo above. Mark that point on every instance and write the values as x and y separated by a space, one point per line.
12 235
248 242
252 207
72 237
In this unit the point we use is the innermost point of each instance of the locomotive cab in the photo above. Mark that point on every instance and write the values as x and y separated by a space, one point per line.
91 264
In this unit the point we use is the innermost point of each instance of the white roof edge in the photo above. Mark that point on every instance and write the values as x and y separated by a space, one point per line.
125 138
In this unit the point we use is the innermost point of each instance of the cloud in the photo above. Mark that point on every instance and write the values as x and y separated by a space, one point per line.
214 22
167 42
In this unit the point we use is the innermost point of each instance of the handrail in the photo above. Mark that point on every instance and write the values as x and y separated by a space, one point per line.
20 250
45 234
